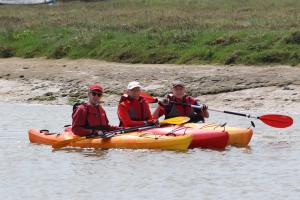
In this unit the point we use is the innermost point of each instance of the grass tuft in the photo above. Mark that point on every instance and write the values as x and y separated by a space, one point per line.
293 38
6 52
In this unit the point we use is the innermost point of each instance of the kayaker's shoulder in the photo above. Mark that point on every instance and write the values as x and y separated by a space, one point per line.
81 105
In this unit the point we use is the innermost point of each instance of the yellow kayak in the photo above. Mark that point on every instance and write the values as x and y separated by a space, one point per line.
133 140
239 137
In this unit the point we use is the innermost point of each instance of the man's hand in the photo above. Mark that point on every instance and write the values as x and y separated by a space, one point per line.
204 107
164 102
152 122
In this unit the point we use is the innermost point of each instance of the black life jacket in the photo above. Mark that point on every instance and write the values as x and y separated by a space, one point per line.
171 109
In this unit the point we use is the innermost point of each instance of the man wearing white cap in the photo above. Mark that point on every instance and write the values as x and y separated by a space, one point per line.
177 103
133 110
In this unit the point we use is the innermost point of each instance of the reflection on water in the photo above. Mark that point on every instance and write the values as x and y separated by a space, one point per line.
85 152
267 169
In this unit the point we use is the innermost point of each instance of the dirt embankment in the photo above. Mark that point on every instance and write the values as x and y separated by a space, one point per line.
267 88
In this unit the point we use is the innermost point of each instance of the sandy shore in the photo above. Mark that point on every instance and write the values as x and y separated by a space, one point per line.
241 88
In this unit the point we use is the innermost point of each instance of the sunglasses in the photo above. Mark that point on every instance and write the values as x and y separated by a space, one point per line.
96 93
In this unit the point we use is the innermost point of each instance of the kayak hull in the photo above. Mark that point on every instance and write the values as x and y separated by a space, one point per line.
239 137
134 140
201 138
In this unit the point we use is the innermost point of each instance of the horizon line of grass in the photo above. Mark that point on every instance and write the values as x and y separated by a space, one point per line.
169 46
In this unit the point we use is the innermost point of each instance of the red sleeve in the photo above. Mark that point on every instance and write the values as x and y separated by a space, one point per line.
193 101
125 118
79 122
149 115
161 111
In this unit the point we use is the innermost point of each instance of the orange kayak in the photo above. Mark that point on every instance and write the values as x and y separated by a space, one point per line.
133 140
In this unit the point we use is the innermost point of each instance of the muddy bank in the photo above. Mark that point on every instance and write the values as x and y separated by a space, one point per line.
268 88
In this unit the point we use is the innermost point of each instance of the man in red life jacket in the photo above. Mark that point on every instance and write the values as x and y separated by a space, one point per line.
177 104
133 110
90 118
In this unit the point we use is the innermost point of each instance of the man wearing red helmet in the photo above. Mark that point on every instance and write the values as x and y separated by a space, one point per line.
90 118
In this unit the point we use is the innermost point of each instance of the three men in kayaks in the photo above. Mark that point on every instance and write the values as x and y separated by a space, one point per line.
133 110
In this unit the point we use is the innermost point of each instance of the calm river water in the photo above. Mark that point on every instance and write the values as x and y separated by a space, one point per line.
268 169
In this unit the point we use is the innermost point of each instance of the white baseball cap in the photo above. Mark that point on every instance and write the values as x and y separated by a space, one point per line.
177 83
133 84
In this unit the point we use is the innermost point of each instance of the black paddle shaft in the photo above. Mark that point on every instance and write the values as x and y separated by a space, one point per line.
240 114
227 112
127 130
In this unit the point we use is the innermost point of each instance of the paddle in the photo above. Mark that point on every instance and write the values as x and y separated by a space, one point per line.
274 120
148 97
175 120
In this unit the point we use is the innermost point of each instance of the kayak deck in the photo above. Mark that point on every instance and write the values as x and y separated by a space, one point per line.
134 140
201 138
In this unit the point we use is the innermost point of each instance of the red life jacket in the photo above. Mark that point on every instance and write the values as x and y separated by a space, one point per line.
138 110
95 116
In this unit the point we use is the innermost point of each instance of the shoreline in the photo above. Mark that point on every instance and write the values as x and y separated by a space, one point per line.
249 88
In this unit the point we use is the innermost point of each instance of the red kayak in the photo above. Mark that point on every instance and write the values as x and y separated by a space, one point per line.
201 138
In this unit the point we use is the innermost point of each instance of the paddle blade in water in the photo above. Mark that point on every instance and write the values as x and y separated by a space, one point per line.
278 121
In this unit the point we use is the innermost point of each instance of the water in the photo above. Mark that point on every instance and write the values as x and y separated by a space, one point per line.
268 169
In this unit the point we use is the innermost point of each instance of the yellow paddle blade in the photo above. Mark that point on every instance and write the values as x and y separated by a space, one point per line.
65 143
175 120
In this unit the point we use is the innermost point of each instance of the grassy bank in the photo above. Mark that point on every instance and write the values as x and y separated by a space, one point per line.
156 31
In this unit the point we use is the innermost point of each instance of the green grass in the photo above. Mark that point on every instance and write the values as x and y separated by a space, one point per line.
156 31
